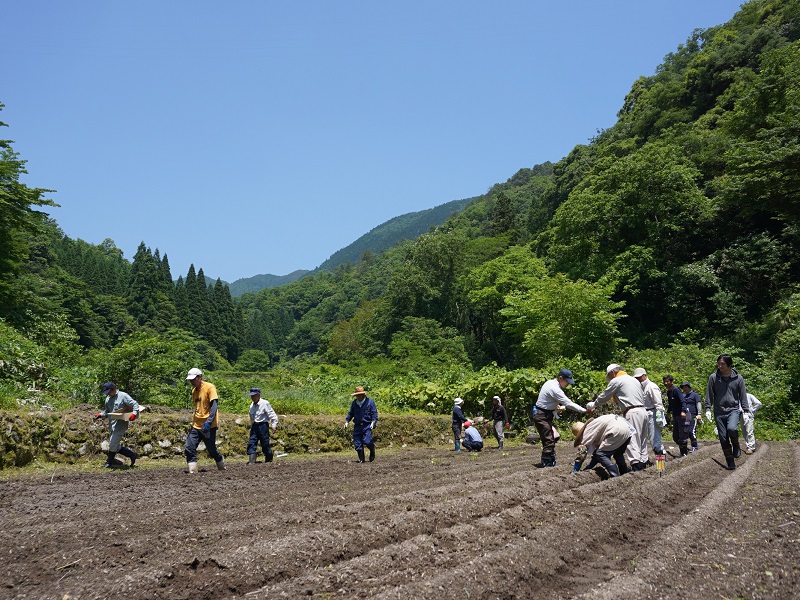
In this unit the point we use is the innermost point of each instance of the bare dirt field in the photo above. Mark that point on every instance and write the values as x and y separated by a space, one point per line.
413 524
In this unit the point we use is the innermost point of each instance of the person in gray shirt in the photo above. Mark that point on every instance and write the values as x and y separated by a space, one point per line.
726 391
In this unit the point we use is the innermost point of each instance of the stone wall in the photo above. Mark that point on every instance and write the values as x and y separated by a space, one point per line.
74 436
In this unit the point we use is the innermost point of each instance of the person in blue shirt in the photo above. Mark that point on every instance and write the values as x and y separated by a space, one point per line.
118 402
364 415
676 406
473 442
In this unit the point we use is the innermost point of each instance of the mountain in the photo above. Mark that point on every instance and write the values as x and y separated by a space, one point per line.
405 227
260 282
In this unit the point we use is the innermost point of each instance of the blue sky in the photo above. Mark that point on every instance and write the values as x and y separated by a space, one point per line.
261 137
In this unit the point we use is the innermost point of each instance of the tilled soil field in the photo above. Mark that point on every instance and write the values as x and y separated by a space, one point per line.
413 524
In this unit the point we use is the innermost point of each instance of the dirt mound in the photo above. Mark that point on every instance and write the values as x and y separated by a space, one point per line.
414 524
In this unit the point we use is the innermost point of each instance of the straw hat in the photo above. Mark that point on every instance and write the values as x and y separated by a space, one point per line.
359 391
577 430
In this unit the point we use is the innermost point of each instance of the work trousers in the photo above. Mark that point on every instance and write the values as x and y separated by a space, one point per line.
362 437
618 454
654 431
499 434
543 421
472 446
193 441
637 446
748 430
259 433
728 432
680 431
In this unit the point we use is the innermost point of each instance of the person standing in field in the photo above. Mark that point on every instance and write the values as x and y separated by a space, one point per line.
205 421
499 421
364 415
458 420
748 423
551 399
655 409
695 406
627 392
676 406
118 402
727 393
262 419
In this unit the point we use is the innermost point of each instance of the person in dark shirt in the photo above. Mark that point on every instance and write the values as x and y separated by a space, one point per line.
676 407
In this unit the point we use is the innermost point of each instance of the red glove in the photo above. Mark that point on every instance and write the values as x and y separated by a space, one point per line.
508 425
133 417
97 416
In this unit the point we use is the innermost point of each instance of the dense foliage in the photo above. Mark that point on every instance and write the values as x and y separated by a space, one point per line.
669 238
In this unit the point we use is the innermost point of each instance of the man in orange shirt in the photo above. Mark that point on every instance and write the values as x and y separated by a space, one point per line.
205 421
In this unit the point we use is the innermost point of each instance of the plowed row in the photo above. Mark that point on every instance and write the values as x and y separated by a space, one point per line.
414 524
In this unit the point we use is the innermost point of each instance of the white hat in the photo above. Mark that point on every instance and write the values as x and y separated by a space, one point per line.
612 367
194 372
459 401
639 372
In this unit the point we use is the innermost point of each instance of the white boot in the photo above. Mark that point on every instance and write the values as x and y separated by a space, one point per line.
221 464
192 468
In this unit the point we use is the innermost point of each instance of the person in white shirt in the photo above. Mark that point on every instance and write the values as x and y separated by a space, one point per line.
551 399
262 419
604 438
748 423
655 409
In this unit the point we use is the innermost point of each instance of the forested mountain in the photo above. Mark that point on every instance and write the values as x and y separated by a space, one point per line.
405 227
260 282
678 225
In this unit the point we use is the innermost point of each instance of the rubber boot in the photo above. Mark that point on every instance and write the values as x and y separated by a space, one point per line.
268 455
731 463
371 452
500 445
128 453
110 461
221 464
737 451
360 456
458 446
251 459
613 470
192 468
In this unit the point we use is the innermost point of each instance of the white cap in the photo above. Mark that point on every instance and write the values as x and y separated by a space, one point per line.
639 372
612 367
194 372
459 401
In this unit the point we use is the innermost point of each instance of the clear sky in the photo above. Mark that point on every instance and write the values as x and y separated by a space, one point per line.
260 136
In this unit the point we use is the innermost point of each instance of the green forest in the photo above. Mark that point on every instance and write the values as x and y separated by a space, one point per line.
664 241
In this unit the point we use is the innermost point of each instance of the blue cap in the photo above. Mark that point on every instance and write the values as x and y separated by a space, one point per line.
108 386
254 391
567 374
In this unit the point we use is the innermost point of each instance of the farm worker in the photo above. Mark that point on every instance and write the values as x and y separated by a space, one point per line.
681 415
205 421
473 442
748 423
551 399
458 419
695 405
655 409
603 437
627 392
118 402
262 419
727 393
500 420
364 415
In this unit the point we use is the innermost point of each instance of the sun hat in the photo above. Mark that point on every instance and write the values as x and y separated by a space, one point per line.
359 391
577 430
458 401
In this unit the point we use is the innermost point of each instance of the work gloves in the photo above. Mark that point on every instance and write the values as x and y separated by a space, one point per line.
372 425
206 428
133 417
346 423
98 416
708 415
508 425
590 405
